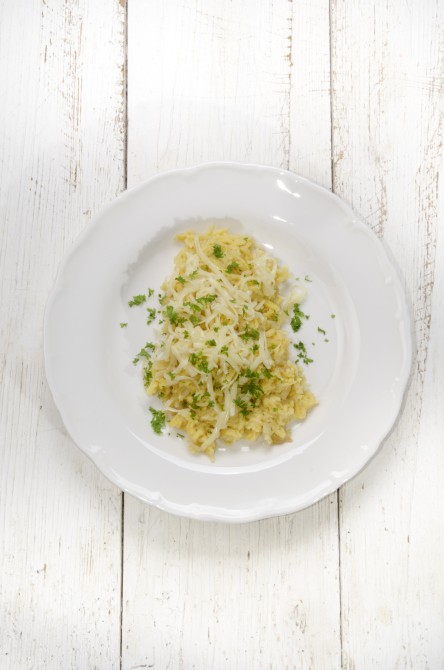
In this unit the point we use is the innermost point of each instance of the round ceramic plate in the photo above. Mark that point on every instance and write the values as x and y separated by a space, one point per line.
358 336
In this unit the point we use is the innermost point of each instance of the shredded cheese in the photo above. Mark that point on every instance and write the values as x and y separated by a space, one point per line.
222 368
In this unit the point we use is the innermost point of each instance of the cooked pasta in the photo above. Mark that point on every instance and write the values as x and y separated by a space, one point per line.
222 368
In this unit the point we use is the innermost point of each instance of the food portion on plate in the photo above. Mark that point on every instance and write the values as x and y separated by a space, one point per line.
222 367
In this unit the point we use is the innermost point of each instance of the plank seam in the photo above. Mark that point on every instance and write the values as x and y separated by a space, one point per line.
125 187
290 83
122 526
332 179
332 163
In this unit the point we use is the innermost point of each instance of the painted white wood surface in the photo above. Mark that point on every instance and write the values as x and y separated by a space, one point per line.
388 122
61 159
211 80
215 81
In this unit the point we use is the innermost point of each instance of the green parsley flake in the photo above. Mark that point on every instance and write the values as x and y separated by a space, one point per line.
298 315
158 420
123 325
206 299
151 315
217 251
145 352
250 334
211 343
147 374
234 265
193 306
137 300
150 292
180 279
224 350
302 355
321 330
173 316
199 361
251 386
241 403
333 316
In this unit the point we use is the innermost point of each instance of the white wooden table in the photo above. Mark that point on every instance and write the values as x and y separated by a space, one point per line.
99 95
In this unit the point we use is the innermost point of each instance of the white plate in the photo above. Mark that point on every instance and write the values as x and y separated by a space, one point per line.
358 376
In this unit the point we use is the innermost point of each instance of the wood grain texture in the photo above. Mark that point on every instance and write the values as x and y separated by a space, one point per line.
388 114
310 108
208 80
217 80
62 143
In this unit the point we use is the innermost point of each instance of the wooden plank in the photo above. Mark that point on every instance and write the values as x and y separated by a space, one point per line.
214 80
209 80
388 115
62 158
310 126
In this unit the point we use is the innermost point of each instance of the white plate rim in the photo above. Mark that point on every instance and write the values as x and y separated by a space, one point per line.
208 512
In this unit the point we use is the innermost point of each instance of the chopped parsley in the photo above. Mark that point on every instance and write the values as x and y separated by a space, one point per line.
151 315
241 403
211 343
147 374
123 325
333 316
145 352
180 279
298 315
302 355
251 386
186 334
158 420
307 278
234 265
255 348
206 299
194 319
321 330
150 292
137 300
193 306
172 375
217 251
250 334
199 361
193 275
267 373
224 350
173 316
